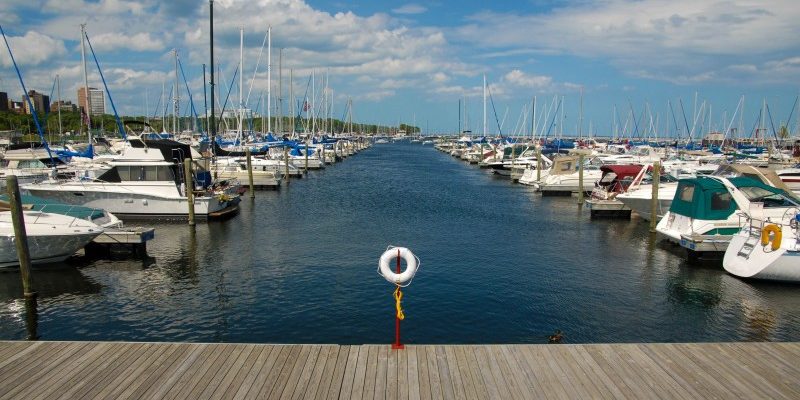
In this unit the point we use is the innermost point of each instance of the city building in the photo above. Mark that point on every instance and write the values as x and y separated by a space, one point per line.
16 106
3 101
66 106
97 100
40 102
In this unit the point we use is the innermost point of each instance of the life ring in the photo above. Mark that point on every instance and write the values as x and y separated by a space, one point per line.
776 240
386 269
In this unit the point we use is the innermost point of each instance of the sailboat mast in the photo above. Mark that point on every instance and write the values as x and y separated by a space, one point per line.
177 97
280 91
60 102
269 79
213 124
87 98
484 105
241 79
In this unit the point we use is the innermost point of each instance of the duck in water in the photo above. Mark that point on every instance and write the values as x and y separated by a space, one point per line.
556 337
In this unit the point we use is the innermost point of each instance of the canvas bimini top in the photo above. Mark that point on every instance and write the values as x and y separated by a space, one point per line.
707 198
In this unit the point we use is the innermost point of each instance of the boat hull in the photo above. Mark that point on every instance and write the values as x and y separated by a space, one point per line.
763 263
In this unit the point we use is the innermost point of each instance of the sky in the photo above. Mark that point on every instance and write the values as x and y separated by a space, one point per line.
631 67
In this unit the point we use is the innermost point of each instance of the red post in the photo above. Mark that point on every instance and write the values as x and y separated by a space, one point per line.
397 345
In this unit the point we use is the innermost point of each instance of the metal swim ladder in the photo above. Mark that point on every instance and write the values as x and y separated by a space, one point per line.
753 240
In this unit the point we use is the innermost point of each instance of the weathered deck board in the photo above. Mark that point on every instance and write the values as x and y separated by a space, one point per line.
49 370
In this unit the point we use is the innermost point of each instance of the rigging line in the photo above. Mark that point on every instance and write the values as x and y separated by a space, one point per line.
28 99
110 99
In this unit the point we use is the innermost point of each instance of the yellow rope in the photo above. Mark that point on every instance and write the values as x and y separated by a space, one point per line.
398 296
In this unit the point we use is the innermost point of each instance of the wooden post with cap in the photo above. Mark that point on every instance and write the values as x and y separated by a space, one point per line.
21 236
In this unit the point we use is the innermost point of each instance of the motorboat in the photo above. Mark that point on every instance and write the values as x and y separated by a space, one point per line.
146 181
766 248
51 237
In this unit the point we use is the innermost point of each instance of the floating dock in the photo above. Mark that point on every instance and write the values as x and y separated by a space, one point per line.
119 370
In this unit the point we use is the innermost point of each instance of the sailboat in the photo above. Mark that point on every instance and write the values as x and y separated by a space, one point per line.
766 248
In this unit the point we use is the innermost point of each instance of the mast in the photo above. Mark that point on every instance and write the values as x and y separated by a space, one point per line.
87 99
313 97
280 91
241 79
177 97
291 100
58 84
484 105
580 118
533 118
269 79
213 124
205 97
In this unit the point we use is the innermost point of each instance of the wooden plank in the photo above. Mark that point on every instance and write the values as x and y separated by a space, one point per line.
445 378
95 371
424 377
161 390
145 376
196 387
547 377
495 384
195 372
162 368
298 381
433 372
738 368
392 375
371 373
585 376
380 373
465 374
339 372
315 379
773 373
109 390
130 353
520 358
402 374
247 356
640 383
413 373
678 371
667 386
326 378
622 381
270 367
346 391
34 370
20 366
775 353
705 380
277 380
59 381
260 368
221 371
597 374
15 351
360 373
475 372
516 383
702 366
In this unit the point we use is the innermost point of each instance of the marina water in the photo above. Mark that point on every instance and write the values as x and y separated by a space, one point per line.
500 264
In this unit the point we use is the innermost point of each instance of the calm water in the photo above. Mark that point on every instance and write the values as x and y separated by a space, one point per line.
500 264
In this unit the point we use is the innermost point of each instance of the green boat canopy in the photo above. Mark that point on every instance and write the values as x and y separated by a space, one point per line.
707 198
54 207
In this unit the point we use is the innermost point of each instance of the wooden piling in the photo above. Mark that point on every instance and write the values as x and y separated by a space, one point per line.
306 167
538 163
20 236
654 196
580 180
286 162
189 183
250 172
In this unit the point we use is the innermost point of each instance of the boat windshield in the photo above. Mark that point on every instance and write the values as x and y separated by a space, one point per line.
770 199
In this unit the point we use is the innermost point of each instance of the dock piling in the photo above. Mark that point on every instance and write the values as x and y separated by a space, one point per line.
306 167
538 163
580 180
189 183
286 162
654 196
20 236
250 173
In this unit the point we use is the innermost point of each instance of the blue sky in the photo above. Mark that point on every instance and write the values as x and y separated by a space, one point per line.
406 61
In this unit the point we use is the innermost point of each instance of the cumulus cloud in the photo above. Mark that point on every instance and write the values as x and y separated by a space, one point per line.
679 40
113 41
32 49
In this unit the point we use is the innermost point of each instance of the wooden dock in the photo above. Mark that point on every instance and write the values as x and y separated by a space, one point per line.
116 370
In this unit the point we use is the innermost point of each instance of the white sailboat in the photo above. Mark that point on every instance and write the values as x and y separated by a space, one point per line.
766 248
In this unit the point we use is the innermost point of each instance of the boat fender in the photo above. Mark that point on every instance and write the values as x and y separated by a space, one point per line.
385 267
776 240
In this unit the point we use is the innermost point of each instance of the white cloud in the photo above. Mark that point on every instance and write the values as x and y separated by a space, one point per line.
114 41
410 9
679 40
521 79
32 49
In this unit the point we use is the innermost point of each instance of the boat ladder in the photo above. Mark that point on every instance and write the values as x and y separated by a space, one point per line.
752 241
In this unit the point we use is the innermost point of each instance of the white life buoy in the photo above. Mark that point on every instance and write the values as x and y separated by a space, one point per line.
386 268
